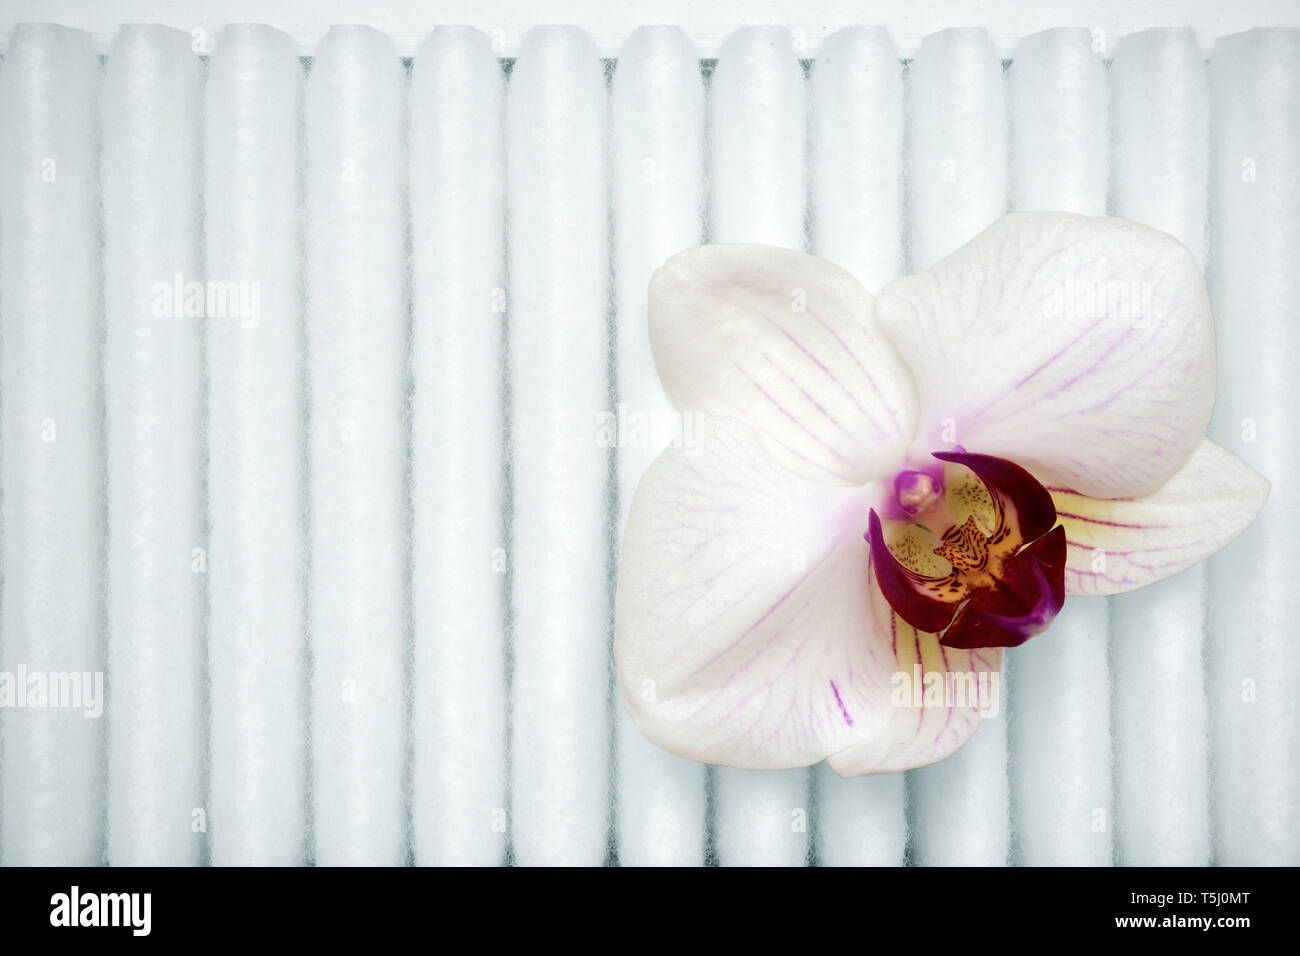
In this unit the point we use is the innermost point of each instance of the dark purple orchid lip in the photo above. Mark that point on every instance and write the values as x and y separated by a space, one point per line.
917 601
1011 488
1026 600
1004 587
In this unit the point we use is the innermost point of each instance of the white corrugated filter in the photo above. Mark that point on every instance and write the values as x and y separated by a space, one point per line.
327 383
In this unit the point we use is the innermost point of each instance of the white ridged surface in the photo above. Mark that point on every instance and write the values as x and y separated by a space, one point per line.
758 116
1060 727
256 446
856 151
1160 140
957 177
1060 736
1057 112
657 104
1176 799
51 789
957 143
357 370
457 195
559 347
1255 289
153 369
856 155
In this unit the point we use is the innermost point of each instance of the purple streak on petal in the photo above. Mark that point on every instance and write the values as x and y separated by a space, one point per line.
808 395
874 387
831 375
795 421
1080 494
1109 524
847 479
843 710
988 406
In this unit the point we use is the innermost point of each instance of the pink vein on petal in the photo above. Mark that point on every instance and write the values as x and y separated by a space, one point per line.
843 710
1112 524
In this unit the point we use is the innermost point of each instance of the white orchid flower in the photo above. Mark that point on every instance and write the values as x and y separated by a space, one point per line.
908 485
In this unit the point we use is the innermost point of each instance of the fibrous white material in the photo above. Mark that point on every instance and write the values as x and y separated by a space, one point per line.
1254 251
256 449
957 143
855 155
657 136
322 403
957 180
153 383
52 786
356 340
1060 735
1057 108
758 115
1160 142
559 353
457 181
1059 728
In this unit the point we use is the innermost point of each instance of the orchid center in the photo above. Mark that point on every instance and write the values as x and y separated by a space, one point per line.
982 564
917 492
965 547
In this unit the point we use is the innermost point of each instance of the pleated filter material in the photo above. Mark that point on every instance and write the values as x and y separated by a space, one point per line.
153 388
327 384
51 780
256 450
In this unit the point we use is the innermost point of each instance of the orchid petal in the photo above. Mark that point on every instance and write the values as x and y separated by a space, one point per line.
786 342
1075 346
1117 545
748 629
922 732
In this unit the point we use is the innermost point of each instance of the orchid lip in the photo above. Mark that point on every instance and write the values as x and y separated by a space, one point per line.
1004 586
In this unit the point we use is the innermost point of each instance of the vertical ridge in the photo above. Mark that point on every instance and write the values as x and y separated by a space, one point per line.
153 361
1159 142
457 206
257 437
558 237
356 360
1254 252
53 469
